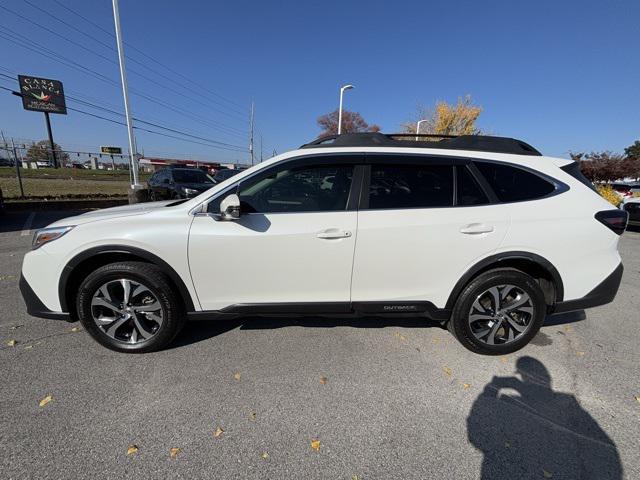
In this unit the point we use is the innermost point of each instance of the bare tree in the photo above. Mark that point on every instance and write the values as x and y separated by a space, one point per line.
352 122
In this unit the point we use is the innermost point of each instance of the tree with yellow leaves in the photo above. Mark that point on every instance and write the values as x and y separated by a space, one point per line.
446 119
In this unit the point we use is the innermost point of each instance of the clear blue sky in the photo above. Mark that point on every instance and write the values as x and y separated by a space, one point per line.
563 75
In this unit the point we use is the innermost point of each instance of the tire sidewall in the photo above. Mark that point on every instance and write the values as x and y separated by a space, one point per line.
152 278
459 324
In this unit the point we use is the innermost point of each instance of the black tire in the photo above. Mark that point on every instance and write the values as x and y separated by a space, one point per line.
459 326
152 196
157 283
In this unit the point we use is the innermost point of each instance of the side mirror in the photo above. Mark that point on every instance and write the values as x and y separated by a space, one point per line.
230 207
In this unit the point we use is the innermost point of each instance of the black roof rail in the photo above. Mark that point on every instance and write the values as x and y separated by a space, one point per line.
481 143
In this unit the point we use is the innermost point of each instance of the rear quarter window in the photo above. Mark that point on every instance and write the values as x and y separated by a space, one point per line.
513 184
573 169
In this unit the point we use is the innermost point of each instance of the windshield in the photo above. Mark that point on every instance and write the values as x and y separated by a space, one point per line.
191 176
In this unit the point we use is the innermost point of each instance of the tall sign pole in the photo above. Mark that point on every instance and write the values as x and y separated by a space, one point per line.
51 144
125 94
251 133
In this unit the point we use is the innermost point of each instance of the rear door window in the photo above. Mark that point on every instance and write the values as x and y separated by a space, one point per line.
513 184
395 186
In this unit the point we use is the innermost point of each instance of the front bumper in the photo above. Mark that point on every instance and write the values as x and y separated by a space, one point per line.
35 307
605 292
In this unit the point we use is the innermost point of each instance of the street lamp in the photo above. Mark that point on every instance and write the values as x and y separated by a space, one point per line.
418 128
342 89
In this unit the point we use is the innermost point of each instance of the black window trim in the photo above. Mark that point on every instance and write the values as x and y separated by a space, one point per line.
337 158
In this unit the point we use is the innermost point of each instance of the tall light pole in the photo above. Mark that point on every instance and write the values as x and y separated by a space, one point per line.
251 133
342 89
418 128
125 94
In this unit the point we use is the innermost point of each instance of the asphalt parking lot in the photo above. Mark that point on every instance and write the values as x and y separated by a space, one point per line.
384 398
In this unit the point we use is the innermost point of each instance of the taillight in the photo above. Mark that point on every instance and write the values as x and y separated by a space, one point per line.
616 220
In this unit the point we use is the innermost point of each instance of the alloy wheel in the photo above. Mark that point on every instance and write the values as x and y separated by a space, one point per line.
501 314
126 310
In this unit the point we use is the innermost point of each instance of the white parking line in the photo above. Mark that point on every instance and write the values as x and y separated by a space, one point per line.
26 230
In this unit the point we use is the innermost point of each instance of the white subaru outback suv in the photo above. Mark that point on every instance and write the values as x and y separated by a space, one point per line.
483 234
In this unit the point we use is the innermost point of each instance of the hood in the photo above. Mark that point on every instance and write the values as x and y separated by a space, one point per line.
113 212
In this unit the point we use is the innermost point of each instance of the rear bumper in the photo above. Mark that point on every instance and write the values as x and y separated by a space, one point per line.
604 293
35 307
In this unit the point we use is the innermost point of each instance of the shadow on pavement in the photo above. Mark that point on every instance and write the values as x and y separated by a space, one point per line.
198 331
564 318
527 430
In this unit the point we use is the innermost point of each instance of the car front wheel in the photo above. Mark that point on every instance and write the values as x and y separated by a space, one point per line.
499 312
129 307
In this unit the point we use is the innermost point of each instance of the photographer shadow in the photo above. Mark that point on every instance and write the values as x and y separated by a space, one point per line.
527 430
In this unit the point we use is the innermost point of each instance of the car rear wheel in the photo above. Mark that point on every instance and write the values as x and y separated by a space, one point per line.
129 307
499 312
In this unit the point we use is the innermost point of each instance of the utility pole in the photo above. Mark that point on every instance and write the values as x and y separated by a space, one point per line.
251 133
125 94
260 148
15 157
51 144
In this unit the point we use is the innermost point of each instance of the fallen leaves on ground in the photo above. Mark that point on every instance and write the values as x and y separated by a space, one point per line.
237 375
503 359
638 398
219 431
355 477
315 444
132 449
580 354
507 444
252 416
323 380
45 400
15 327
435 339
466 386
264 455
400 336
173 453
12 343
546 473
76 329
567 328
28 347
447 371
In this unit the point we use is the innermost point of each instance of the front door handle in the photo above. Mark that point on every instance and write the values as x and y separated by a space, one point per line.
331 233
476 228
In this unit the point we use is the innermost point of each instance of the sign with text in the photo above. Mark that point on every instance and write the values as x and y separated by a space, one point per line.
111 150
42 94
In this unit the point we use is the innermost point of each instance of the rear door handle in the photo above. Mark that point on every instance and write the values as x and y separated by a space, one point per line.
331 233
476 228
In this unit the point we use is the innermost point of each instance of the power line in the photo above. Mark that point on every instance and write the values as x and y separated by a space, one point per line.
221 146
76 66
149 57
110 60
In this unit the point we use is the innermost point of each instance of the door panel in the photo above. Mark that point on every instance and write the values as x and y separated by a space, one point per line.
269 258
413 243
419 254
293 243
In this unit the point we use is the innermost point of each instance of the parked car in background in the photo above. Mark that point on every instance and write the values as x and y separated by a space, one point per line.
631 205
624 190
174 183
223 174
483 234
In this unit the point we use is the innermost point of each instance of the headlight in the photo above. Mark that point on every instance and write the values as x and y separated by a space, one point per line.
189 191
46 235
